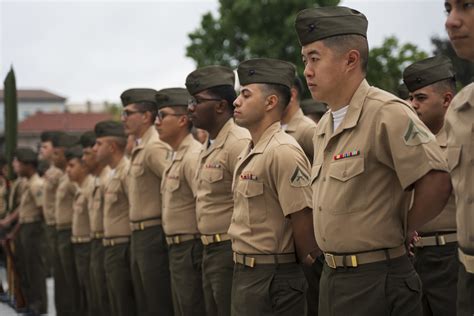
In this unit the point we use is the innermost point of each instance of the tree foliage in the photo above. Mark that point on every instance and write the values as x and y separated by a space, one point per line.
386 63
464 69
248 29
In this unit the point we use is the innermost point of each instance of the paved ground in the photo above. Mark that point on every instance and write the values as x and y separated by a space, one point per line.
6 310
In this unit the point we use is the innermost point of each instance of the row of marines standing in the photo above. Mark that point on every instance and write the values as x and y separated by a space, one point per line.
378 176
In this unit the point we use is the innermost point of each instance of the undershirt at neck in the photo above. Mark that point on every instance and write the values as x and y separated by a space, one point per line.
338 116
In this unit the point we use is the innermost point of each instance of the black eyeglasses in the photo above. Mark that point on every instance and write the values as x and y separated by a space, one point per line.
127 113
195 101
161 115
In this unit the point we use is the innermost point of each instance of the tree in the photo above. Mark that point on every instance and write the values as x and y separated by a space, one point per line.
247 29
464 69
386 63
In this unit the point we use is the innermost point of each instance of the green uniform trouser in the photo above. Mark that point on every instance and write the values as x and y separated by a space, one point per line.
438 268
217 271
82 252
150 272
31 266
390 287
269 289
60 301
47 252
100 304
313 275
186 278
70 289
119 280
465 302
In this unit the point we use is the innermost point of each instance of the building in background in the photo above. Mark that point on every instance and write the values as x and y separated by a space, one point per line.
31 102
30 129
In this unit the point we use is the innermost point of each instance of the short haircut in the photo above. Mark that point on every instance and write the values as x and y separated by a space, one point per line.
341 44
298 84
283 93
147 106
224 92
446 85
121 142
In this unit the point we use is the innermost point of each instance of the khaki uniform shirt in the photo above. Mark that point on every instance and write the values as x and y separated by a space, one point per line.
96 201
51 183
32 199
214 198
18 186
302 129
80 218
149 160
271 181
363 171
116 206
446 220
460 130
64 201
177 189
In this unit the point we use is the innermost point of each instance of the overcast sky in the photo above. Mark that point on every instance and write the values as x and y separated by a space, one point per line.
93 50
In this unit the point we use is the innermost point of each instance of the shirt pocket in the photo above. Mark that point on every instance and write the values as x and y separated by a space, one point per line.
346 187
254 202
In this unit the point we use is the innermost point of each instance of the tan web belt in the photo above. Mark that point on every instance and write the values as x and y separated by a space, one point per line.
142 225
354 260
177 239
80 239
467 261
63 226
211 239
30 219
112 241
436 240
253 260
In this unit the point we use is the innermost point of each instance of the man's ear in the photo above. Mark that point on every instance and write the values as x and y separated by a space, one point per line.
352 59
221 106
271 102
447 98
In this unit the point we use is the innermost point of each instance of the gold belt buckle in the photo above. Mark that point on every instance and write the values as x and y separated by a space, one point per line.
441 240
250 262
141 225
218 237
354 261
176 240
330 261
204 240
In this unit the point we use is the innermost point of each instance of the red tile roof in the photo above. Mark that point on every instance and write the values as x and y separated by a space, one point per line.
67 122
35 95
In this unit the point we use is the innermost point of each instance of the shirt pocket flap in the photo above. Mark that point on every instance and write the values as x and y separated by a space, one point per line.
172 185
315 170
212 175
346 169
250 188
454 155
137 170
111 197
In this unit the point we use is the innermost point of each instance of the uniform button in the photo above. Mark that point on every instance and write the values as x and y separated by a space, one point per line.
320 209
324 179
324 239
344 174
469 200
